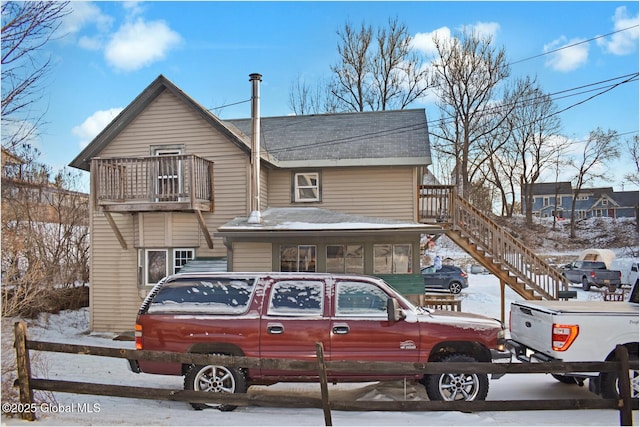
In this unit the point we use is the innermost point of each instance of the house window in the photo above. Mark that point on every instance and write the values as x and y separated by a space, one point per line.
180 257
298 258
545 201
558 201
306 187
345 259
605 202
156 265
392 259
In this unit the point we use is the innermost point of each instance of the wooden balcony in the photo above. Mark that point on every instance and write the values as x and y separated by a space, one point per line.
154 183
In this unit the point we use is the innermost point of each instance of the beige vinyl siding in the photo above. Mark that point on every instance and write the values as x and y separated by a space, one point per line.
166 121
251 256
113 276
384 192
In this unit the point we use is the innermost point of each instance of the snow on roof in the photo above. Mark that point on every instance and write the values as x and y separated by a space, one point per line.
309 218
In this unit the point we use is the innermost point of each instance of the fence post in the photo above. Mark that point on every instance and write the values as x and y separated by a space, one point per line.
322 371
24 371
624 386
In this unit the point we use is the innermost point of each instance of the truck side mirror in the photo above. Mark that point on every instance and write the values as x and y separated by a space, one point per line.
394 312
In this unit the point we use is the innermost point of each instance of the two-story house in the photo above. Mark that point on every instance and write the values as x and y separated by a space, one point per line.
171 182
555 199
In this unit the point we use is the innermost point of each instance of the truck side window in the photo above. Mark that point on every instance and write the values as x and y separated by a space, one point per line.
360 299
202 295
297 298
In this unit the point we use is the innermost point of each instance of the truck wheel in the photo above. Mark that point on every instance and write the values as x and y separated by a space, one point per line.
609 382
457 386
215 379
455 287
585 284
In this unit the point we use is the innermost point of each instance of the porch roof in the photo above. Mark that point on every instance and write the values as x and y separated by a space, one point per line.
295 221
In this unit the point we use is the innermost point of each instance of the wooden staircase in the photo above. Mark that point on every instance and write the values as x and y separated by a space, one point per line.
491 246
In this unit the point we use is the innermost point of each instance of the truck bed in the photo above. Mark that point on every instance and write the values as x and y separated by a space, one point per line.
580 307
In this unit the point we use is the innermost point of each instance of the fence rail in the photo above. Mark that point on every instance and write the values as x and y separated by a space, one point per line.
27 383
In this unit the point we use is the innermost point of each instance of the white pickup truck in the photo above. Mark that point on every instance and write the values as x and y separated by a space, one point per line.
577 331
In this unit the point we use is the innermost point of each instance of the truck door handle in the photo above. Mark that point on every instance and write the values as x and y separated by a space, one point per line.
341 329
275 328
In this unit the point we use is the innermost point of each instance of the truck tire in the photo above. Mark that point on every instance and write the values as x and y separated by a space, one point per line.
609 382
457 386
585 284
215 379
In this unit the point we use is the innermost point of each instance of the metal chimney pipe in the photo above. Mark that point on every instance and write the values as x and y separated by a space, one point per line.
254 195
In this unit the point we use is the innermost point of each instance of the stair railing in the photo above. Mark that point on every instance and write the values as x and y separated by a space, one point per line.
506 250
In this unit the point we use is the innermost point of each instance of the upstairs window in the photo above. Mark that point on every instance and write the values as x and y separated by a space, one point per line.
306 187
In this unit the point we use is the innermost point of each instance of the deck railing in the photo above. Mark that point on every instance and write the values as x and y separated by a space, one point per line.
184 179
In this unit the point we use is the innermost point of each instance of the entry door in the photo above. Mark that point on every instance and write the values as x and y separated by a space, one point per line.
169 181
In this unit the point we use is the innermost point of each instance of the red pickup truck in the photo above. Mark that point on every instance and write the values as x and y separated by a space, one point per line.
284 315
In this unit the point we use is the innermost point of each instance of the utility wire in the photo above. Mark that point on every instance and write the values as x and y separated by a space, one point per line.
574 44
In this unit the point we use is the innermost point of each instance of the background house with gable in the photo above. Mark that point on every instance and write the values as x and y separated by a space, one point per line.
171 182
555 198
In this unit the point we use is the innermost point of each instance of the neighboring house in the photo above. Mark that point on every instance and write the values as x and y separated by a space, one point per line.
555 198
34 198
171 182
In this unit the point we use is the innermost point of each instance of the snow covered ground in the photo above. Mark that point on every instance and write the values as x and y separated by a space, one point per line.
481 297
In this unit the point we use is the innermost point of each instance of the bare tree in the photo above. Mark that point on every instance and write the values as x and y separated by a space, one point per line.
466 74
306 98
351 84
376 71
45 238
599 148
534 127
398 75
26 27
631 148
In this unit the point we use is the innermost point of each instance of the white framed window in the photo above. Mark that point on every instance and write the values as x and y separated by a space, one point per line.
392 259
298 258
345 259
181 256
156 265
306 187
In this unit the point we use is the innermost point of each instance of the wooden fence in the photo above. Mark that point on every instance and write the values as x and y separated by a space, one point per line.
27 383
443 302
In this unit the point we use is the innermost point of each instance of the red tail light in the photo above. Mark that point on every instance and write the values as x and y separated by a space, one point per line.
592 274
138 334
562 336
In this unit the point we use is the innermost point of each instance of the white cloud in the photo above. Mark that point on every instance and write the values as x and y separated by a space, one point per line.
84 14
138 44
624 42
94 124
486 29
423 42
567 58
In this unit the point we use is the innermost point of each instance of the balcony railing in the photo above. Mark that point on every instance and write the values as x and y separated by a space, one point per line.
155 183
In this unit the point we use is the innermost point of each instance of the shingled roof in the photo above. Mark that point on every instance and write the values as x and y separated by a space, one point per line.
346 139
381 137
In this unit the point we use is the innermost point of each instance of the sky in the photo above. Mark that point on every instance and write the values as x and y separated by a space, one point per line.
109 52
